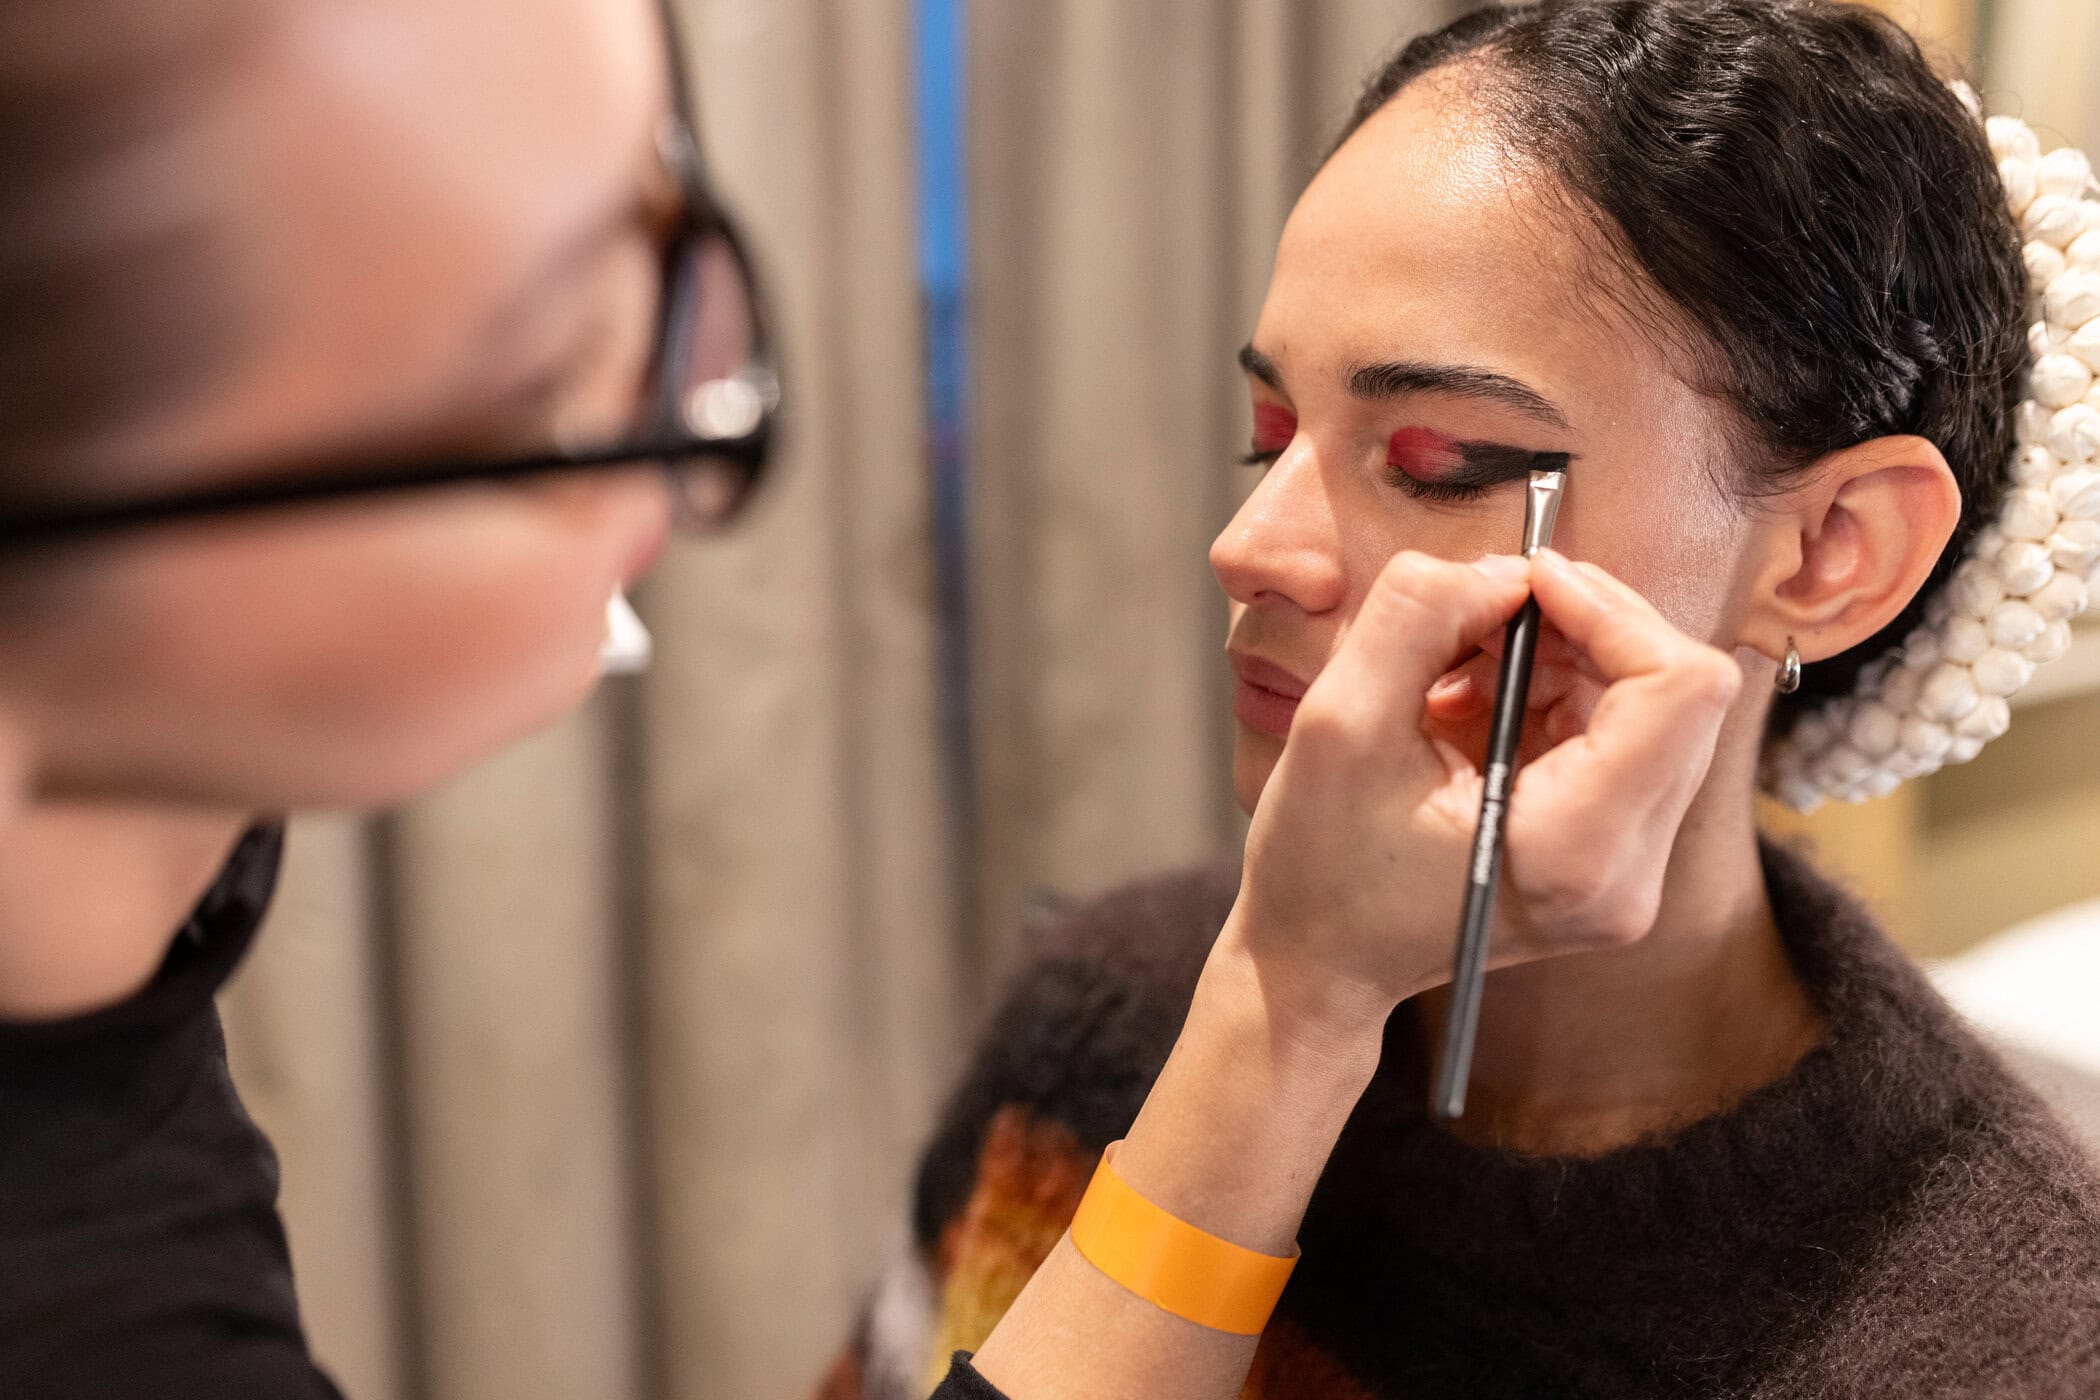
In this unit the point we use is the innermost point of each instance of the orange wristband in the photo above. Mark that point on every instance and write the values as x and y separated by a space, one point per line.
1167 1261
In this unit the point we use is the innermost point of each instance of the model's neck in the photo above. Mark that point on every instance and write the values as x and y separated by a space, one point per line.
90 895
1583 1054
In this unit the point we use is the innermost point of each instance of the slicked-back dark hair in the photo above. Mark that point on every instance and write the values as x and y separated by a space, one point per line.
112 299
1811 200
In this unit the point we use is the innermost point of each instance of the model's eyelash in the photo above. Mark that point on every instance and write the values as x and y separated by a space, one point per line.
1413 486
1434 490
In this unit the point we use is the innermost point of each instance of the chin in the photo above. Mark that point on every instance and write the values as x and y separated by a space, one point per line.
1254 757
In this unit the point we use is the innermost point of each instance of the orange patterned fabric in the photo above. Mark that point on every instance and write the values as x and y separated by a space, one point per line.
1031 1173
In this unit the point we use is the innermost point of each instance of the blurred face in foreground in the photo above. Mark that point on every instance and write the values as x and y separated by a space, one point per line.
420 227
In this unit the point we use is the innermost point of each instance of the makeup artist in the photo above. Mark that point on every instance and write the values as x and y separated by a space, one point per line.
1755 268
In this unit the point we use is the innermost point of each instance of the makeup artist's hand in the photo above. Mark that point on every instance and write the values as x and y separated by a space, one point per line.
1356 858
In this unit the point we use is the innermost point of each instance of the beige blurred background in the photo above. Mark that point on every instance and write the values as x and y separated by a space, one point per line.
599 1074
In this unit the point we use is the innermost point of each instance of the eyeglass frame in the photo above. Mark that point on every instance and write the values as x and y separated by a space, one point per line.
669 438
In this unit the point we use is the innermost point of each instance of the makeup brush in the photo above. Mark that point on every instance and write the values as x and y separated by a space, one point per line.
1542 497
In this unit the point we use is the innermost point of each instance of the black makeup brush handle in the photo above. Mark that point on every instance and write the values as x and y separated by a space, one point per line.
1469 967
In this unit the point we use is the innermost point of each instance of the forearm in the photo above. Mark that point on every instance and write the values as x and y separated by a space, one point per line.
1232 1139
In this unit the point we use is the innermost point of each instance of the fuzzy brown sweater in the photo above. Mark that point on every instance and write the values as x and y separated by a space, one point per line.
1896 1216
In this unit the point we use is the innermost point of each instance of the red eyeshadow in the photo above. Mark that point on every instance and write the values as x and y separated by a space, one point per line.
1423 453
1273 427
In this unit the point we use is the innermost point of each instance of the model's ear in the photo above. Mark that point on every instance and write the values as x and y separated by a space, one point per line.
1851 545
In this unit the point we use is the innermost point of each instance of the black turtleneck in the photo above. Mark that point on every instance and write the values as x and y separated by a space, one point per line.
140 1249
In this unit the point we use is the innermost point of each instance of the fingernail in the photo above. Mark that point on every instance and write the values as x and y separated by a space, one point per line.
1503 568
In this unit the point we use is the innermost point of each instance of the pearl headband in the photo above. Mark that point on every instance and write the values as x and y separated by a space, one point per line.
1943 694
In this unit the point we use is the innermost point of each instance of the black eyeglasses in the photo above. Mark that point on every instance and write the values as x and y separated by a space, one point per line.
706 418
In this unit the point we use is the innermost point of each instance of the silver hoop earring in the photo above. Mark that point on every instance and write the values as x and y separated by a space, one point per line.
1789 679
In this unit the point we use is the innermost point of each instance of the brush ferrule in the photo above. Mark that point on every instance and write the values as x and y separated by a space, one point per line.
1541 506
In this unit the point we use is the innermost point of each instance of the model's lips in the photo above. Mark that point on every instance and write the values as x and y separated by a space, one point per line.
1266 674
1267 695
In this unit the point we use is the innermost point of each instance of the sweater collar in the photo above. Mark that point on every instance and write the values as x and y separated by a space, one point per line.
1757 1188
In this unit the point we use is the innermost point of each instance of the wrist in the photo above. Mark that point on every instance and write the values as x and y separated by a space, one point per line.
1309 1011
1243 1117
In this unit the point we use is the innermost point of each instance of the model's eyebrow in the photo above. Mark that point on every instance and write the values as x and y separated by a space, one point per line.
1392 378
1395 377
1261 367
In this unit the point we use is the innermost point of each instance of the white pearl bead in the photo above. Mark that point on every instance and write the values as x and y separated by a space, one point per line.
2033 466
2050 646
1991 718
1938 608
1812 732
2001 672
2076 545
1900 691
2031 423
1879 783
1874 729
2023 566
1842 765
2065 171
2074 433
2076 494
1964 639
1921 649
1910 765
2009 136
2045 262
2054 219
2059 380
1962 750
1948 694
2072 299
2063 597
2027 514
2083 252
2014 623
1800 792
2085 341
2043 337
1987 542
1924 738
1974 590
1966 95
2022 181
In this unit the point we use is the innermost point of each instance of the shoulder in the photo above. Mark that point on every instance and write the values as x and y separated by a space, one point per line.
1083 1028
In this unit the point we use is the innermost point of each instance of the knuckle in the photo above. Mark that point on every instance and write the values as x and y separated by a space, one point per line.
1618 916
1597 905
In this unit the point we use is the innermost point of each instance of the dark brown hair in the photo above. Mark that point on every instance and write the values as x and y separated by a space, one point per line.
110 300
